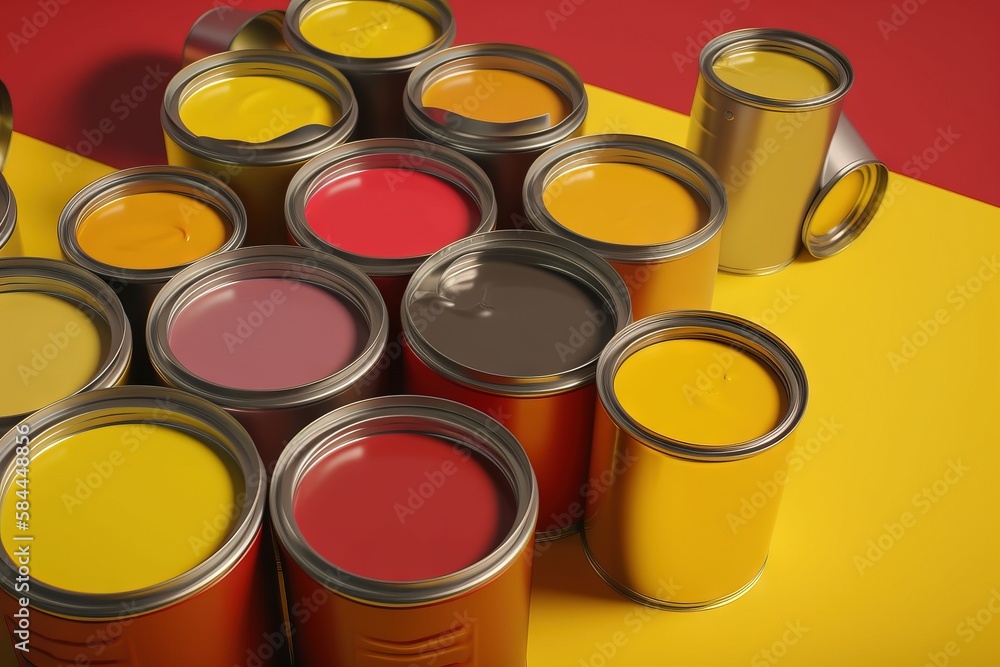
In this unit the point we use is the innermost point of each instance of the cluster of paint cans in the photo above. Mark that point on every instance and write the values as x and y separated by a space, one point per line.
340 223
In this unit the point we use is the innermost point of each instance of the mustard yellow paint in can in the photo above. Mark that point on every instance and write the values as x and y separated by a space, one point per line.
696 413
653 210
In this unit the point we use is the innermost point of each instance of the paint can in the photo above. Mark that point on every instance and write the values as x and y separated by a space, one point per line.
64 332
275 335
225 28
512 323
141 540
251 118
136 228
653 210
765 110
697 413
385 205
375 45
8 205
447 486
501 105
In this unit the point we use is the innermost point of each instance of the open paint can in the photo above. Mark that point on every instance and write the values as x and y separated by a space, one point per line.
697 413
405 526
501 105
226 28
765 111
385 205
653 210
251 118
375 44
136 228
141 540
512 323
276 335
64 331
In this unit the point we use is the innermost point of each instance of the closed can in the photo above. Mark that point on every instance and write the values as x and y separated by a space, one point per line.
142 542
275 335
501 105
697 412
765 109
252 118
653 210
405 527
136 228
512 323
64 331
376 44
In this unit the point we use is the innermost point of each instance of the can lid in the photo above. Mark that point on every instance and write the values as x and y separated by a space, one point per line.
851 189
6 122
226 28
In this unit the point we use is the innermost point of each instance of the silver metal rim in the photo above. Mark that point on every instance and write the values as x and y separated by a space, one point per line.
731 330
178 180
62 279
533 62
794 43
438 11
434 416
6 122
357 156
538 248
678 163
876 180
218 28
258 62
142 405
287 262
8 212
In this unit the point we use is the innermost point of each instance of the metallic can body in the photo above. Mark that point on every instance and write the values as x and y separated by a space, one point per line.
138 287
259 173
378 83
505 156
674 275
769 153
74 284
551 417
144 628
272 417
8 219
226 28
477 616
660 524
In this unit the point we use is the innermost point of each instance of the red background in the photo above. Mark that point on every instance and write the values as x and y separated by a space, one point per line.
924 68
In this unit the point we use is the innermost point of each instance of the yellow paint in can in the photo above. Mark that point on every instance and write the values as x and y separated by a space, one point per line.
773 74
496 96
623 203
255 109
50 348
700 391
368 29
122 507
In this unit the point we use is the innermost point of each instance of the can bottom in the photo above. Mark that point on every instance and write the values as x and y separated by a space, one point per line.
754 272
558 533
665 605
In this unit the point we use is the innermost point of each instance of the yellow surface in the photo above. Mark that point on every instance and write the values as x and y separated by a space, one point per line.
773 74
368 29
876 434
699 391
496 96
122 507
152 230
255 109
838 204
49 349
624 203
